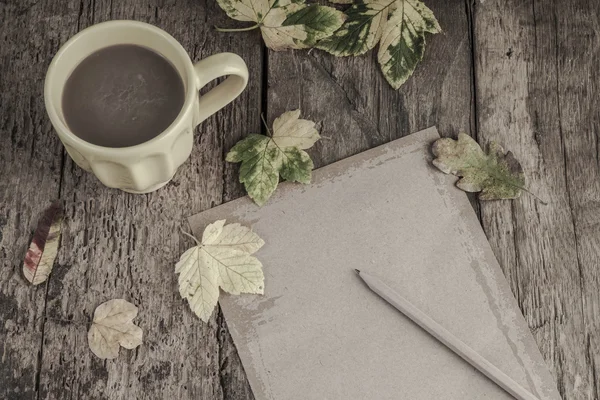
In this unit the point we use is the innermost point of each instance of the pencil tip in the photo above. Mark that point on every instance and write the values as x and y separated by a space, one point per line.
357 271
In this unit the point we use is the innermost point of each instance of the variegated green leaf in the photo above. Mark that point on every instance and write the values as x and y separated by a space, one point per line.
297 165
265 158
403 40
362 29
284 24
319 22
249 148
278 37
261 162
260 174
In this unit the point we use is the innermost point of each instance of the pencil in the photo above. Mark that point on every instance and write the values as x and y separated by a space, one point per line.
448 339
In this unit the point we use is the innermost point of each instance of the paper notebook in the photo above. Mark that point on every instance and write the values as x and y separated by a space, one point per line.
319 333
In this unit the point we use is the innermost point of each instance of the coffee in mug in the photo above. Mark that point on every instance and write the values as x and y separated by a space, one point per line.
121 96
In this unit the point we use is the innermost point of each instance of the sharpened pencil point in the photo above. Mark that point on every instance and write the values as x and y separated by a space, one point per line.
357 270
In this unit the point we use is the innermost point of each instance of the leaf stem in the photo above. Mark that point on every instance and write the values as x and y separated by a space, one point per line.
491 173
191 236
534 195
266 126
523 189
249 28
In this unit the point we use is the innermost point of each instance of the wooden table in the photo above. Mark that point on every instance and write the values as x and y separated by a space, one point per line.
523 73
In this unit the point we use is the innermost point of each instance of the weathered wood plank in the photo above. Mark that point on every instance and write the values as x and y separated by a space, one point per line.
530 61
115 244
30 174
578 31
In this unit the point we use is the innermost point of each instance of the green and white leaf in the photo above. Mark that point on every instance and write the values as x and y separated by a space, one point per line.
296 166
278 37
403 41
260 167
362 30
285 24
496 175
318 21
222 260
265 158
399 26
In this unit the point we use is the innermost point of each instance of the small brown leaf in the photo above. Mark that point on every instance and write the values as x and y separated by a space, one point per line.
41 254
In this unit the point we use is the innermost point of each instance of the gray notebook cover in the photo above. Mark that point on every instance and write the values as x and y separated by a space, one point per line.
319 333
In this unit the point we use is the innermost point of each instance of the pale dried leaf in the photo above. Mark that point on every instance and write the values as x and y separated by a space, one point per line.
212 232
223 259
239 237
291 131
113 327
198 282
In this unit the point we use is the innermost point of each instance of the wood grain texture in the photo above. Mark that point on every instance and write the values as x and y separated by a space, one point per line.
30 173
577 32
535 93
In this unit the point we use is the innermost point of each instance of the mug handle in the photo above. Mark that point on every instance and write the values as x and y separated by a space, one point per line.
214 67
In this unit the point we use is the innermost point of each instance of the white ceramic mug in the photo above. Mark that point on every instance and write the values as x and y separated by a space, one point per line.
150 165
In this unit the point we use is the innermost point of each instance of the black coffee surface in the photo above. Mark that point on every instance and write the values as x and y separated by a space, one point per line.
121 96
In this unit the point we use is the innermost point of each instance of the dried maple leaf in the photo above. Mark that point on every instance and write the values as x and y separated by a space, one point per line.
223 259
113 326
284 24
264 158
42 251
496 175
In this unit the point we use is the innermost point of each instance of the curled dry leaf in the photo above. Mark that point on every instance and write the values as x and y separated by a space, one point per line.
265 158
113 326
285 24
42 251
223 259
496 175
